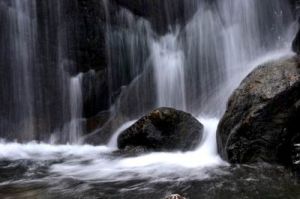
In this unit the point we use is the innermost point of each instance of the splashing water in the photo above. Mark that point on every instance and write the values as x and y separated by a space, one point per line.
94 163
114 139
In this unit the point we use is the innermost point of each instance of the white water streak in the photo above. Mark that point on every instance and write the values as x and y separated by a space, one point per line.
169 72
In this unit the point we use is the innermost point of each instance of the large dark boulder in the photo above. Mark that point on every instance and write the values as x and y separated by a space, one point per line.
262 116
163 129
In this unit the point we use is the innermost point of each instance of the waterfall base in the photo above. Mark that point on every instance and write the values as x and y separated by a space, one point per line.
36 170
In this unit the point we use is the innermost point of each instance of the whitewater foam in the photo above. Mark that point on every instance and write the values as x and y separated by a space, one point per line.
98 163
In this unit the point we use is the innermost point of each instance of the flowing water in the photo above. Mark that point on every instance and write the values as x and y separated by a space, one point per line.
192 68
168 62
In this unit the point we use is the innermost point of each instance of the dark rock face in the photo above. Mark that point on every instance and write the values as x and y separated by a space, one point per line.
129 105
262 116
95 93
163 14
163 129
96 121
296 43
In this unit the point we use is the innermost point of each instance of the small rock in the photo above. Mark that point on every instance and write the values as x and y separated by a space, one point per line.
175 196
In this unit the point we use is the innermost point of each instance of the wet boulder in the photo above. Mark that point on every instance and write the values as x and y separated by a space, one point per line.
261 120
163 129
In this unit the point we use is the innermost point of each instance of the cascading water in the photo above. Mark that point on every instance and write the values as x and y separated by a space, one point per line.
20 48
38 94
168 62
194 68
72 130
76 108
220 41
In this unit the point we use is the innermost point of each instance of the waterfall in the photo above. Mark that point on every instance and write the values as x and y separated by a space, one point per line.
194 64
198 67
193 67
73 129
127 48
17 63
76 108
38 94
168 63
220 41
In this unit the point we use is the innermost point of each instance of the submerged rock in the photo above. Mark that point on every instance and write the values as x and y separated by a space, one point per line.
163 129
260 123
